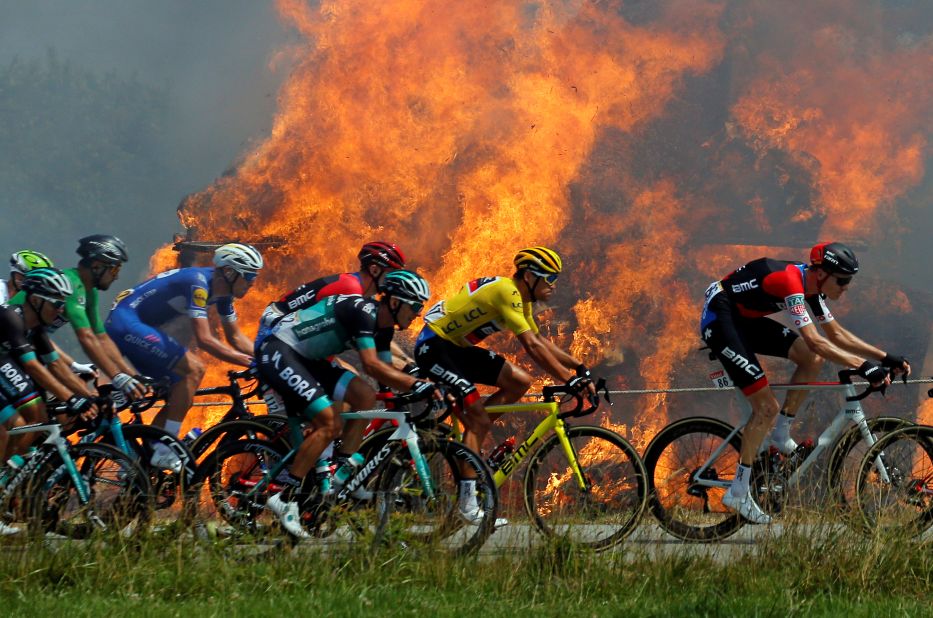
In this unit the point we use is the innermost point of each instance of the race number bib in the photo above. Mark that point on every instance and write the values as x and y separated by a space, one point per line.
720 379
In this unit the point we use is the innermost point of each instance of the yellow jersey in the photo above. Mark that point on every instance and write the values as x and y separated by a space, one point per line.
481 308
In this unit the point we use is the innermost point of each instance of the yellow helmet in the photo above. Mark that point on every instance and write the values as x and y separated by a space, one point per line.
539 260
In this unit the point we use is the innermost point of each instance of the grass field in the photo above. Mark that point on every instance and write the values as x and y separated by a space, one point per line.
826 572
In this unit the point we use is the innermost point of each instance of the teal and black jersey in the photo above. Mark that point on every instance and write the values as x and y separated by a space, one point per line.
334 325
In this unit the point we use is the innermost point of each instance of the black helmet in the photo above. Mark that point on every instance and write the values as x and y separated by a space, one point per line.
835 258
103 248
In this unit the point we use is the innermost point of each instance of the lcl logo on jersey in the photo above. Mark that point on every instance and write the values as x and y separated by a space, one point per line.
745 286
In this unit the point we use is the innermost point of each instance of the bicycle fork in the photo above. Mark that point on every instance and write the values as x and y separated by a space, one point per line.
858 417
582 482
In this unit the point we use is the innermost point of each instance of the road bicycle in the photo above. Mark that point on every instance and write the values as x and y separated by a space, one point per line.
895 482
583 482
415 479
74 489
691 463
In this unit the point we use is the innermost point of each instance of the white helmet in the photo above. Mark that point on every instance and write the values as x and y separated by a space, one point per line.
242 258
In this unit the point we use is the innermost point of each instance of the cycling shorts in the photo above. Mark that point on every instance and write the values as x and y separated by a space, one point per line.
735 340
306 386
17 389
151 351
458 367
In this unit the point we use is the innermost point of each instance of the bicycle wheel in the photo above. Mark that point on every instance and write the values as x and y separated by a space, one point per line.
603 513
409 515
233 473
842 471
168 487
114 496
682 507
227 432
895 482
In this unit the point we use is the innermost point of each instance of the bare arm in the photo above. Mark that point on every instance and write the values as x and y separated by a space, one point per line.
236 338
539 349
847 340
63 373
213 346
384 372
827 349
95 351
562 357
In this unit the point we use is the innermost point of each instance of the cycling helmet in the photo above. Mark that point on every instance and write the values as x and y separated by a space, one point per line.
242 258
23 261
539 260
384 254
835 258
405 285
48 283
103 248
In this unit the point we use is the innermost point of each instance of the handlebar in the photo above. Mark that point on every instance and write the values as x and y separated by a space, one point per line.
845 377
552 392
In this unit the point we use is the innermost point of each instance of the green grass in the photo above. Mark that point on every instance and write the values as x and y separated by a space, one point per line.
826 572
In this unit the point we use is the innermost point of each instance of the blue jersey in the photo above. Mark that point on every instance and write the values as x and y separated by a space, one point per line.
179 292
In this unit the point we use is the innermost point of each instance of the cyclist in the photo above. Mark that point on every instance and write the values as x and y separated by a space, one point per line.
21 263
138 319
294 361
739 320
445 348
376 259
27 357
102 256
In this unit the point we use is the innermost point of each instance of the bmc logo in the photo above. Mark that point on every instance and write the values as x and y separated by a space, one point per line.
745 286
742 362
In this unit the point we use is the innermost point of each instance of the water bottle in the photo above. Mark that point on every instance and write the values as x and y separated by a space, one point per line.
13 464
323 473
499 453
343 472
192 435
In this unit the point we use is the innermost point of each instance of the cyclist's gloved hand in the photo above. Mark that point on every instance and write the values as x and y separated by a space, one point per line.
82 369
128 385
873 372
899 363
584 372
424 390
410 368
578 383
79 404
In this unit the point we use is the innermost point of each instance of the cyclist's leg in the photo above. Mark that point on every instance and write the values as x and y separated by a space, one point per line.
809 364
190 371
18 396
360 396
730 346
513 383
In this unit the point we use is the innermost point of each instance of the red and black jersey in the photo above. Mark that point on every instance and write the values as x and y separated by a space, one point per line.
313 292
764 287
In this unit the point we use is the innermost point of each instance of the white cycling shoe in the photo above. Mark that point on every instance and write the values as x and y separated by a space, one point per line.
746 507
474 515
8 530
166 459
288 515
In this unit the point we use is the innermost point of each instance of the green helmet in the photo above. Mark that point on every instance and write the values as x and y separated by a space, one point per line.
23 261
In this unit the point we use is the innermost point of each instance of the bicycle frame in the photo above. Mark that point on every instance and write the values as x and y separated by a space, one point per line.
851 412
552 422
61 445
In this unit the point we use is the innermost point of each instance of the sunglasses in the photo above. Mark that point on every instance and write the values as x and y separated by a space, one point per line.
416 307
843 281
549 278
249 276
58 303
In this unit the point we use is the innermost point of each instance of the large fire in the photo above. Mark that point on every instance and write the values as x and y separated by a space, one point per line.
641 140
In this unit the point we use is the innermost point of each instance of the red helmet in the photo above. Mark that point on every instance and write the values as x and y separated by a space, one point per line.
384 254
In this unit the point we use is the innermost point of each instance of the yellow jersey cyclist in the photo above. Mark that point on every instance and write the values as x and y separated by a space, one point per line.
446 347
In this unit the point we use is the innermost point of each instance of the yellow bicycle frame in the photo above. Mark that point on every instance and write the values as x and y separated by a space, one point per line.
550 422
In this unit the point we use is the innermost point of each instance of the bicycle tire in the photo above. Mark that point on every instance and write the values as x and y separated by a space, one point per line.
408 517
902 504
235 469
608 510
230 431
846 456
119 493
688 512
